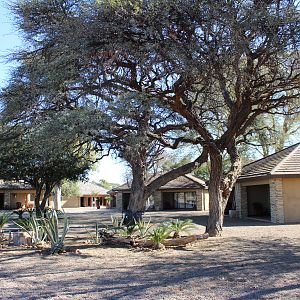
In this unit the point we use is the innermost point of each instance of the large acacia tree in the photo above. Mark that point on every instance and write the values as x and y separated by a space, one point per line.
120 113
217 64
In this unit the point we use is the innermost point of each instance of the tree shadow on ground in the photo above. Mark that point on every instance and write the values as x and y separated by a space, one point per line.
233 268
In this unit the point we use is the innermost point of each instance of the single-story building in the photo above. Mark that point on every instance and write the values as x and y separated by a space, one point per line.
186 192
17 194
270 187
90 195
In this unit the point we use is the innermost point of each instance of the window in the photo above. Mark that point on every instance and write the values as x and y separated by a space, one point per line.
186 200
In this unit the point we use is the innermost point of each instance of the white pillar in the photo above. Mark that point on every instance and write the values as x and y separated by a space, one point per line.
57 198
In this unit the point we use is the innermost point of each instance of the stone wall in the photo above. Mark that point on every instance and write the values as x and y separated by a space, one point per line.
157 196
240 194
199 200
119 201
6 199
276 200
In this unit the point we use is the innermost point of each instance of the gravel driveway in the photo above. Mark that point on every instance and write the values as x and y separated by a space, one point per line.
252 260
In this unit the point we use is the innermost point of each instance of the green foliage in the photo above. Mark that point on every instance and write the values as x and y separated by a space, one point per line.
95 237
51 226
34 227
70 188
20 212
4 219
139 229
178 226
30 211
107 185
23 223
160 234
117 223
143 227
127 231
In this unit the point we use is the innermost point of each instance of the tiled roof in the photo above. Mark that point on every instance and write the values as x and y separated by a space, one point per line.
90 188
187 181
280 164
15 185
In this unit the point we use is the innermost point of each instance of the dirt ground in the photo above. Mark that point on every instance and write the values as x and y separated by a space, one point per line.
252 260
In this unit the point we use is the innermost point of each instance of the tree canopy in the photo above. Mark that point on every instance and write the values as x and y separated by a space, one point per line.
216 65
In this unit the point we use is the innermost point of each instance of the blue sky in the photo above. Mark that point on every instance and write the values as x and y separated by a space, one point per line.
9 41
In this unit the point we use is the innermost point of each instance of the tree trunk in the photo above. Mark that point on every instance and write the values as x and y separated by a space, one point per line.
37 199
216 207
220 188
138 198
46 195
140 191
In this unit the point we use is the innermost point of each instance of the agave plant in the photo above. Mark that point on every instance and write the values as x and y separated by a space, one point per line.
34 228
159 235
50 225
177 226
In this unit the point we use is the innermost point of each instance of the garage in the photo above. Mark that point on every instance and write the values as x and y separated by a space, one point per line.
258 201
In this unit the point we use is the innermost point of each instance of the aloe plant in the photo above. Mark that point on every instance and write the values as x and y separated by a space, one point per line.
35 229
177 226
159 235
50 225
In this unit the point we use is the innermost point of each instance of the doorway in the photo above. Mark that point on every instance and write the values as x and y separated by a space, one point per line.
125 200
1 200
168 201
258 201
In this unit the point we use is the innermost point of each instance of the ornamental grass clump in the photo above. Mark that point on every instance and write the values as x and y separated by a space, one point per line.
50 225
178 226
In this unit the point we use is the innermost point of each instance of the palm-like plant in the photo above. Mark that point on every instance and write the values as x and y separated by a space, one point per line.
177 226
50 225
4 219
159 235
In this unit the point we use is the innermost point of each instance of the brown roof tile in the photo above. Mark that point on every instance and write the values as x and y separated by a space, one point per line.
187 181
283 163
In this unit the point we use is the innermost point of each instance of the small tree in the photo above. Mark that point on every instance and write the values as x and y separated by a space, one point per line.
41 157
